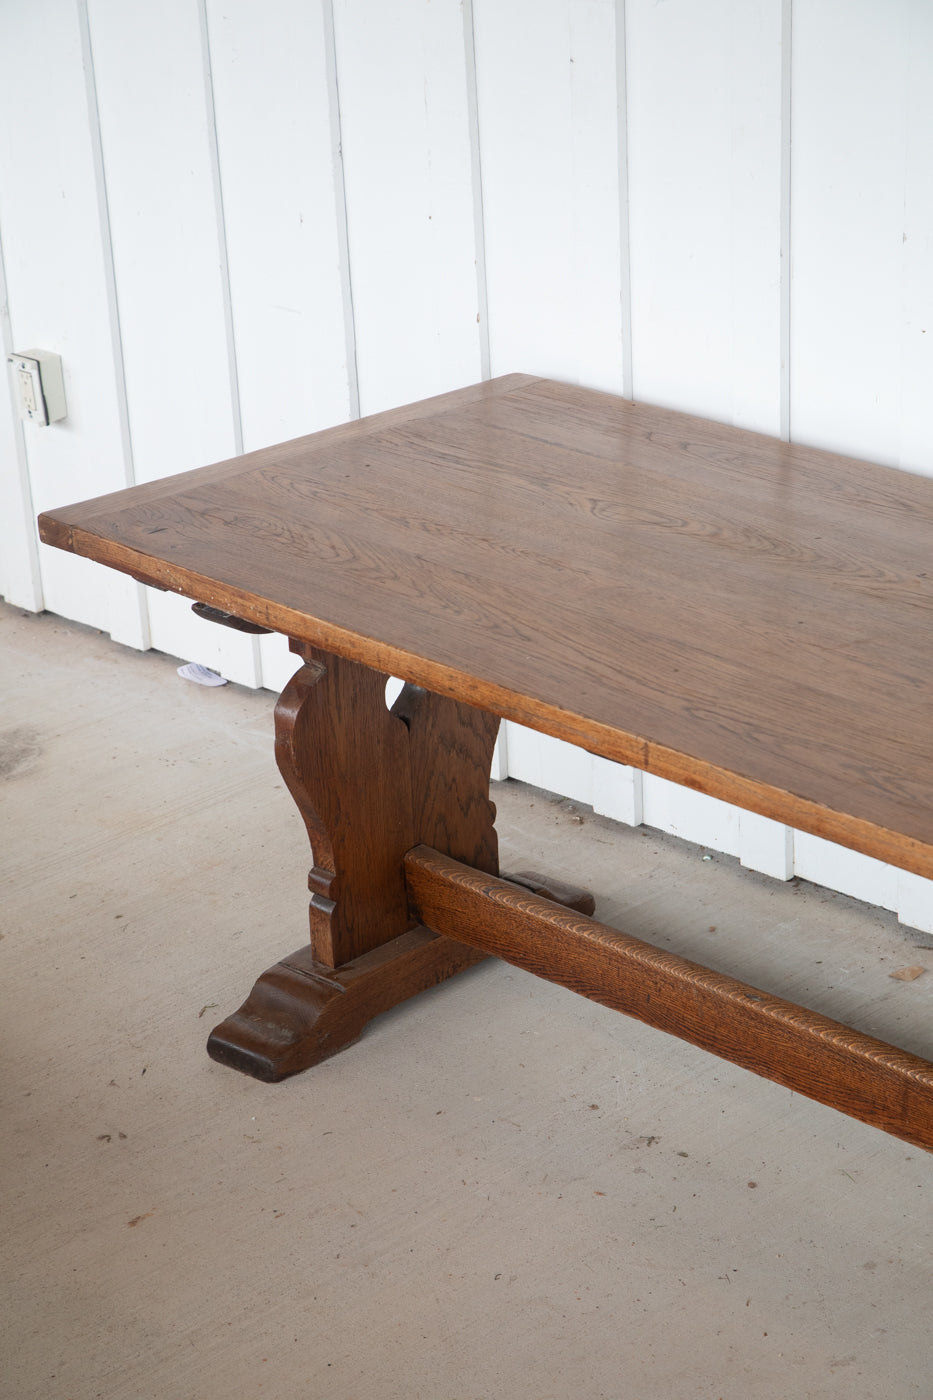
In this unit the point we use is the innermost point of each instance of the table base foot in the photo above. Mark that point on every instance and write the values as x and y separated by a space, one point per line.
301 1012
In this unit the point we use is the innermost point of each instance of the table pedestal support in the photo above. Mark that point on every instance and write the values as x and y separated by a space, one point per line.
370 783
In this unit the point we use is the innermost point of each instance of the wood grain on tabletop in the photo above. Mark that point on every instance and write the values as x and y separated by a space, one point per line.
743 615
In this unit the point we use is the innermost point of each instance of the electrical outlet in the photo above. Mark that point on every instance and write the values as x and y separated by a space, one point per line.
40 387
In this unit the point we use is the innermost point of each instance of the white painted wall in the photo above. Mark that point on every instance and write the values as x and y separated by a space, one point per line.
238 223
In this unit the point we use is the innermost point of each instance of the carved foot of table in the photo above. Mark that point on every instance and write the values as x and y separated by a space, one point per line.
371 784
300 1011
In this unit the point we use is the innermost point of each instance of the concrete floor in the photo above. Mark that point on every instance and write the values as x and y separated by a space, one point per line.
501 1191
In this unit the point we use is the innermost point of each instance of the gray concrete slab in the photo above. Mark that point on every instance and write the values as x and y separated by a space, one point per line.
501 1191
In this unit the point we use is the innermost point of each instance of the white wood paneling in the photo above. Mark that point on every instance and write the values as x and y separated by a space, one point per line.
269 70
704 161
154 132
156 137
847 233
618 791
278 152
405 132
916 337
860 876
20 581
549 142
914 901
766 846
862 320
692 815
549 763
55 263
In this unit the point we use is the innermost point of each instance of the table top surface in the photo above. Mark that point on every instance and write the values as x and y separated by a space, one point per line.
743 615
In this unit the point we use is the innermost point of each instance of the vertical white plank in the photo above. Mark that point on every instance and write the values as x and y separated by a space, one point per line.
500 756
691 815
549 141
405 130
766 846
916 332
704 164
276 150
863 265
157 139
860 170
154 133
549 763
56 271
862 877
618 791
283 214
20 580
915 901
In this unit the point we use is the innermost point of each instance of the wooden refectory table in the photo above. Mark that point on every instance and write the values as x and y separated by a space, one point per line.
748 617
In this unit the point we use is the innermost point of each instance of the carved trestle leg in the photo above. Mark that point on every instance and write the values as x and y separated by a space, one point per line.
370 784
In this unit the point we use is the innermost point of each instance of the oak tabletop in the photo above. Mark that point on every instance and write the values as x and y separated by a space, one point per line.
749 617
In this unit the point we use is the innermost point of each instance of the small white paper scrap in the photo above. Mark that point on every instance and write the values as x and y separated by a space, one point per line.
193 672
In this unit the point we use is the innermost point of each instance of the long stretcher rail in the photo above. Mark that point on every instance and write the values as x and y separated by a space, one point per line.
801 1049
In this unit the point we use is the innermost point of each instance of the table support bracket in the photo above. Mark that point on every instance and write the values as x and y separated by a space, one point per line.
370 783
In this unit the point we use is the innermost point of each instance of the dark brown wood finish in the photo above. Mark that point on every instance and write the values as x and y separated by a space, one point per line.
369 783
450 754
745 616
807 1052
344 757
301 1012
225 619
546 887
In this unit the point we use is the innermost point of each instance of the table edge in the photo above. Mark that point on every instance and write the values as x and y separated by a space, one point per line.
894 848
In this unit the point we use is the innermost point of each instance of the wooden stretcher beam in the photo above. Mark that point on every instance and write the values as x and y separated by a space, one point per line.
809 1053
